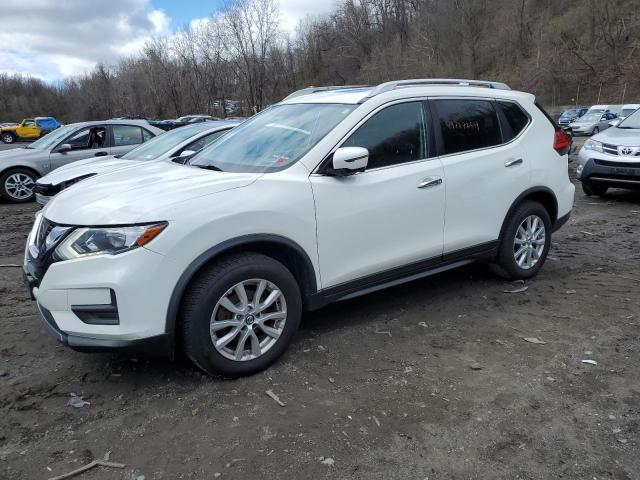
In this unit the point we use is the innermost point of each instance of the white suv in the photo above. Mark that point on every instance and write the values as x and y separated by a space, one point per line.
330 194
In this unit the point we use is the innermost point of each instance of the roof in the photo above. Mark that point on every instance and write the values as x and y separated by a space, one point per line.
210 125
139 123
402 89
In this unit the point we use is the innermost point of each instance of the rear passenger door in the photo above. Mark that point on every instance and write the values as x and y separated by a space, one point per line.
127 137
485 166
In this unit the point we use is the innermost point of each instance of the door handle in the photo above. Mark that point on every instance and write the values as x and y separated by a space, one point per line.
511 163
430 182
100 154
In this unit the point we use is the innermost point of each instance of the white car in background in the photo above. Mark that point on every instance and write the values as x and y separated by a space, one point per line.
627 110
177 145
330 194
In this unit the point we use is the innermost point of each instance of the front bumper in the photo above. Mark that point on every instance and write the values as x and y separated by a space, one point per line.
610 170
101 303
43 199
160 345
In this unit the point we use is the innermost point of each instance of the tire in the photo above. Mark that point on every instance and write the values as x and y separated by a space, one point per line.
506 264
590 189
16 185
596 130
7 137
203 308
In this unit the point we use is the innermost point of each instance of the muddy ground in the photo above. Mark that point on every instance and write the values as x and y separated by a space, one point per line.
380 387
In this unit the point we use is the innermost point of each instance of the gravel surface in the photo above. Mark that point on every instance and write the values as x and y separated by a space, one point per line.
433 379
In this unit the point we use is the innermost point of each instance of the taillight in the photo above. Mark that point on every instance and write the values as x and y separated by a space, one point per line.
562 142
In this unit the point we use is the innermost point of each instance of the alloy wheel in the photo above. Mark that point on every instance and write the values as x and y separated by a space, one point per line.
7 138
19 186
529 242
248 320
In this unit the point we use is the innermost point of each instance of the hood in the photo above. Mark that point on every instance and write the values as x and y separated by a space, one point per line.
579 123
126 195
21 153
619 136
85 167
9 128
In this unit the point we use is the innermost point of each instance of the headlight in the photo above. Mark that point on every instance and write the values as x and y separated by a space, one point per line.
593 145
90 241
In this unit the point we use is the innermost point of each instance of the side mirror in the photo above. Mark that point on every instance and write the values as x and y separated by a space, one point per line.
349 160
64 148
187 153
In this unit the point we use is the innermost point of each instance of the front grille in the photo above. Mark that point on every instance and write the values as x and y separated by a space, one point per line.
41 254
607 163
610 149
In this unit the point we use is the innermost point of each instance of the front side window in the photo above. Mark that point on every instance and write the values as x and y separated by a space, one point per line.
29 123
516 119
394 135
127 135
467 125
87 138
274 139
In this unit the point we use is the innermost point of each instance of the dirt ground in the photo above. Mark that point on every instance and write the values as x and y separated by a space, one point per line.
381 387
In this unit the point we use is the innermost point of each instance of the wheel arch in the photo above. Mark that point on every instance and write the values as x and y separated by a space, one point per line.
542 195
6 170
286 251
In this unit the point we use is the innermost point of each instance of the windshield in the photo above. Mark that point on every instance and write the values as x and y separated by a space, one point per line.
632 121
161 144
571 113
50 140
590 117
273 139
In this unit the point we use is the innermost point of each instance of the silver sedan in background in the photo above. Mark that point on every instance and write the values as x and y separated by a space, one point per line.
21 167
591 123
177 145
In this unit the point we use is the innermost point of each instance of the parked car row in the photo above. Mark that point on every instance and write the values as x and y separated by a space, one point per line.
330 194
179 122
591 121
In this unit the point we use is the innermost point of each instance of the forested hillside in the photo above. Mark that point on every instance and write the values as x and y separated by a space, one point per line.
564 51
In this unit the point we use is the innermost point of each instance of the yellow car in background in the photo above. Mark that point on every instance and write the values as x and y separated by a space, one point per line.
28 129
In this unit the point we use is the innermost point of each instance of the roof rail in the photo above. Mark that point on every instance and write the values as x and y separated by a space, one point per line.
388 86
310 90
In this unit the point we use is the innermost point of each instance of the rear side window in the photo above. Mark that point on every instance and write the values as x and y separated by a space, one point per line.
467 124
516 120
126 135
394 135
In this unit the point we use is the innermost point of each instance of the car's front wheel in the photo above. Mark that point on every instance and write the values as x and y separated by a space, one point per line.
16 185
7 137
596 130
240 314
525 242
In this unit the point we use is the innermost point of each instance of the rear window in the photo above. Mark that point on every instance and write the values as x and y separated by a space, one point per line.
467 124
516 120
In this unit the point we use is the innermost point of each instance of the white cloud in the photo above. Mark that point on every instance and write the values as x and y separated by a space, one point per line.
52 40
292 11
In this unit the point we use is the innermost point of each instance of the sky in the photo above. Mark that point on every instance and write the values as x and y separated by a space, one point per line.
54 39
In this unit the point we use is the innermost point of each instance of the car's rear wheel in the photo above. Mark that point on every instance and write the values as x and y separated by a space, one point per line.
7 137
591 188
16 185
525 242
240 314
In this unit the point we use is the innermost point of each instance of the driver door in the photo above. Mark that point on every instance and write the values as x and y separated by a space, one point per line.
28 130
85 143
390 218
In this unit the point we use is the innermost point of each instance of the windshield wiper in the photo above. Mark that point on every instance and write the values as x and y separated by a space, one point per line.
209 167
